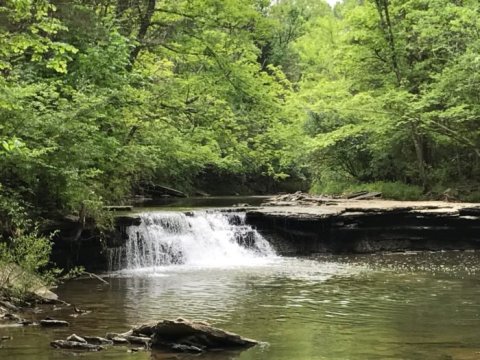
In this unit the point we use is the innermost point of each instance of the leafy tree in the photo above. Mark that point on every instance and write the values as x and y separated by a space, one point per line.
375 69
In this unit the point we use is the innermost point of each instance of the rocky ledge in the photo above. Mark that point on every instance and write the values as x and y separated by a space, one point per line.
167 335
301 225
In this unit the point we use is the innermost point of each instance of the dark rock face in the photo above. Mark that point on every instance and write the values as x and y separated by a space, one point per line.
90 247
188 336
369 230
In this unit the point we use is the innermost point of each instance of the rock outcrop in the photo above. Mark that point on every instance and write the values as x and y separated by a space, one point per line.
367 226
189 336
168 335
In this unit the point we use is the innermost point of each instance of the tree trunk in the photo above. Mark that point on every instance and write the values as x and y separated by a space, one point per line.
419 150
142 32
122 6
384 13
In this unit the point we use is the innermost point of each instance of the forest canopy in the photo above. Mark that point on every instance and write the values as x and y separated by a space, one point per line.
100 97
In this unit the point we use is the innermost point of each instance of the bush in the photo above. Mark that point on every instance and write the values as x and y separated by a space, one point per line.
474 196
24 252
23 264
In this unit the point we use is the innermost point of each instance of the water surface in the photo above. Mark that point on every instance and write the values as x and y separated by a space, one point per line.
397 306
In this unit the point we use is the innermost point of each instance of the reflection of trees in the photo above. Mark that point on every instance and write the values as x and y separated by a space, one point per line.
203 294
308 310
107 304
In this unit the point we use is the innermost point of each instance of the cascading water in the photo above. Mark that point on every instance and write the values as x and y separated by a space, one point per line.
196 239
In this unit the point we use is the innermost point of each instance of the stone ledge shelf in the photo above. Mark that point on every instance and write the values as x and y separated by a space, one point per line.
367 226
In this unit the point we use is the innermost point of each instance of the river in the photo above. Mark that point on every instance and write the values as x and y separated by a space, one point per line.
382 306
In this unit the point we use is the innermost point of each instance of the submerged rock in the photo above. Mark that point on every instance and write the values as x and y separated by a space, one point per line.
97 340
11 317
139 340
189 336
53 323
75 345
75 337
85 343
118 340
185 348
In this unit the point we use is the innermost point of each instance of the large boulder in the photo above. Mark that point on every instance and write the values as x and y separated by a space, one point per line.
190 336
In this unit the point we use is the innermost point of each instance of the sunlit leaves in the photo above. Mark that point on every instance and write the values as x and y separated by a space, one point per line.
29 30
404 88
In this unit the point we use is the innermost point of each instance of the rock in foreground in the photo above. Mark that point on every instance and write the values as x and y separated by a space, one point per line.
172 335
188 336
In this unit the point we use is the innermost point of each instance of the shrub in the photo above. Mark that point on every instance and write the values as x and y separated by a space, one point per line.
24 252
23 264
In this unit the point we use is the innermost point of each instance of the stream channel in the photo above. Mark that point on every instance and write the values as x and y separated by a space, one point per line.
213 267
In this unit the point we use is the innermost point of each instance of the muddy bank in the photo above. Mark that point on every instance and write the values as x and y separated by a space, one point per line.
366 226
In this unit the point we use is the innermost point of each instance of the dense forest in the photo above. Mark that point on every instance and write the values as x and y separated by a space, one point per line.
102 98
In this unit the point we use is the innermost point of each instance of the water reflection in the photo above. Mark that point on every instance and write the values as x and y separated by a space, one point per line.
402 306
217 294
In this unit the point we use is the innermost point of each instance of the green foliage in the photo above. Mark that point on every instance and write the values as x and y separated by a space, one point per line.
473 197
389 190
30 251
390 88
24 252
99 98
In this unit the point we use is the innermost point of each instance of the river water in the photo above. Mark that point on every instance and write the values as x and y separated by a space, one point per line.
382 306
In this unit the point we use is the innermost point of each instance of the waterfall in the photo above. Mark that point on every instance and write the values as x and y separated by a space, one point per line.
194 239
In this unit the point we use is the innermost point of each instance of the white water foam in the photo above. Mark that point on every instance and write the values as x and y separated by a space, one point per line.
197 239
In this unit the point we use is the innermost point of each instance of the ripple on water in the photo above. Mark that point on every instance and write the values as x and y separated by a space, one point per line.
414 306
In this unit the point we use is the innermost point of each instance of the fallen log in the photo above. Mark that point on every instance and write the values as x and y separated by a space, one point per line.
355 194
366 196
163 190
